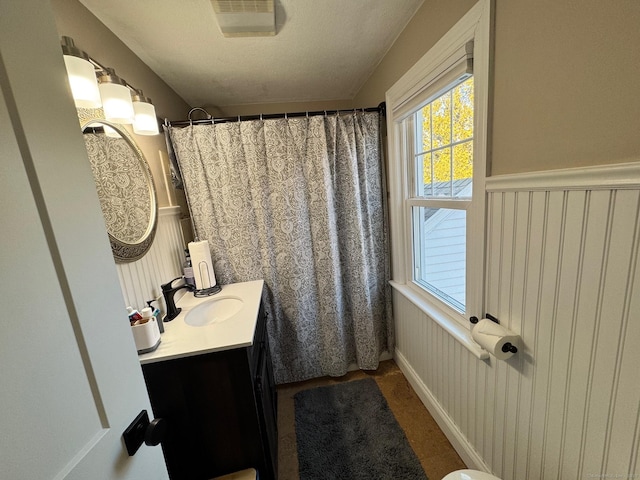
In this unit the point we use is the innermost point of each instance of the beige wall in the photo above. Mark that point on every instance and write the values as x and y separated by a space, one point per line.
566 76
566 84
74 20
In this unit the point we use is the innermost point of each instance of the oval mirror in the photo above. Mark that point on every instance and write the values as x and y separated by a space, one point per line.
125 188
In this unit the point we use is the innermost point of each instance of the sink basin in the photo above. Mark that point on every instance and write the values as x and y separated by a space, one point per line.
213 311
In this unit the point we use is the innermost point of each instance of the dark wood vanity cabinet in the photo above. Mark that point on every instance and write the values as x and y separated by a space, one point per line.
220 409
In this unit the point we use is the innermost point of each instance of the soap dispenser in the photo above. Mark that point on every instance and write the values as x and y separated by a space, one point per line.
156 315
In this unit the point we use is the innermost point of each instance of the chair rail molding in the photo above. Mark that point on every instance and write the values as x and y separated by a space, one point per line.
601 177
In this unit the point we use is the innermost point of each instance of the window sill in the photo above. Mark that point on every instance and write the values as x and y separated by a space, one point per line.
457 331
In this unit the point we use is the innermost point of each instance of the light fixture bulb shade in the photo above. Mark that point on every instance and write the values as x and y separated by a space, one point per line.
116 102
82 79
145 121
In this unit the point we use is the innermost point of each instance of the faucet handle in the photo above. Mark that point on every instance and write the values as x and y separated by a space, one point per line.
167 286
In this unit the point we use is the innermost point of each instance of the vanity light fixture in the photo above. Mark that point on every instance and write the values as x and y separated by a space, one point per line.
144 122
95 86
82 77
116 97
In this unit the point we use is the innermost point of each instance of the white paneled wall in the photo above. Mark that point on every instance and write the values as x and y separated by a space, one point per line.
562 270
141 280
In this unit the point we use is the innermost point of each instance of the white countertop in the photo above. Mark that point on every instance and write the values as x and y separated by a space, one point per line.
182 340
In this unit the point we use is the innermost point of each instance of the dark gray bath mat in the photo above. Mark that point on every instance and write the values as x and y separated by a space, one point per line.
347 431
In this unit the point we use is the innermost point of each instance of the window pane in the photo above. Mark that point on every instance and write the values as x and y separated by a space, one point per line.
462 169
426 128
440 253
424 180
463 111
441 120
442 173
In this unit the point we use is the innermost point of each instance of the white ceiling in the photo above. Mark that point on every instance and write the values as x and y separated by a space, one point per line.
323 49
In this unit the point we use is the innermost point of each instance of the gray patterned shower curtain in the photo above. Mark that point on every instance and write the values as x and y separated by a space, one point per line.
298 202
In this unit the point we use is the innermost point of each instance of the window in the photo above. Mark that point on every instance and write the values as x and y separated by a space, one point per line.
442 166
437 141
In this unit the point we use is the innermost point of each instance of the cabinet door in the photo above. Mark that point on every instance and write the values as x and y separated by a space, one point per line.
207 400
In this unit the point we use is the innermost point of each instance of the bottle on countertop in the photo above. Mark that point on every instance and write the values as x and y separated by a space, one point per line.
134 314
189 278
147 314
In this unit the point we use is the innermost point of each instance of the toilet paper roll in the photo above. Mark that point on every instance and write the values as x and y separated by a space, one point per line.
492 337
202 264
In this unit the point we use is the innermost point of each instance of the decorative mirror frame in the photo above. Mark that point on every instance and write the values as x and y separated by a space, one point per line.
124 252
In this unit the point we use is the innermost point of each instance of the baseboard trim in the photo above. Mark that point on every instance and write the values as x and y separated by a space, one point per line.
459 442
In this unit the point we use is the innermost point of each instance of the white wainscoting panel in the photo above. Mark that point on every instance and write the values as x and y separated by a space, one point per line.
141 280
562 271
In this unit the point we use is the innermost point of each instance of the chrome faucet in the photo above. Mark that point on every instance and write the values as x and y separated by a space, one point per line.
168 292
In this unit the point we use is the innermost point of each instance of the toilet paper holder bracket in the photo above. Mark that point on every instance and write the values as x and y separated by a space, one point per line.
475 319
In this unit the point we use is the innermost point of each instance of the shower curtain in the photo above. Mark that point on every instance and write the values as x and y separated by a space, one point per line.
298 202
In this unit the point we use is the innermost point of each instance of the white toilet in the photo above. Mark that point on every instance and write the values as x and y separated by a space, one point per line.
469 475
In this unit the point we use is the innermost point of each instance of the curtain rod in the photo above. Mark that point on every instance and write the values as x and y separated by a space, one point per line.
265 116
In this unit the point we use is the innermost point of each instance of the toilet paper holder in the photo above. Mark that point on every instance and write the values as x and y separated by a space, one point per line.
507 347
475 319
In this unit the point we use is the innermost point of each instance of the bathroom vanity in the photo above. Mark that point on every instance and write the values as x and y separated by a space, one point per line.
211 380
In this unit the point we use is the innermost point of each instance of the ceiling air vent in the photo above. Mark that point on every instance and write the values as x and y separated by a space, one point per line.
245 18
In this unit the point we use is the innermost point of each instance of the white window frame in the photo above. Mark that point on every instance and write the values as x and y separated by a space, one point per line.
434 72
